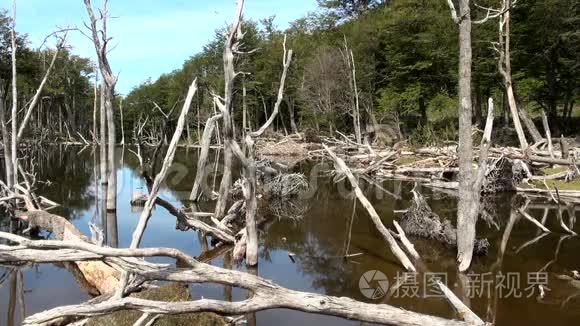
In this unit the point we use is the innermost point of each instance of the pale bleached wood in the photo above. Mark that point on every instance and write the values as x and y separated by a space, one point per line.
462 310
196 191
266 294
342 168
548 134
533 220
159 178
36 96
405 241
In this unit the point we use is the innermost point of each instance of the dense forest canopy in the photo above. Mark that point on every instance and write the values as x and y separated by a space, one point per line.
66 103
405 53
406 60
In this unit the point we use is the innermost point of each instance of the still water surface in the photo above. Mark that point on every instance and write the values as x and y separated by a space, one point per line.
317 242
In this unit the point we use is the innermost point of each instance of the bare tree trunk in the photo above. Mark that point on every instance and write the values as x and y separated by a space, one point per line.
504 66
36 96
467 208
249 190
229 75
122 126
112 163
530 126
5 136
95 137
466 217
103 137
14 114
244 109
231 147
290 105
280 92
548 134
565 147
357 129
205 143
100 41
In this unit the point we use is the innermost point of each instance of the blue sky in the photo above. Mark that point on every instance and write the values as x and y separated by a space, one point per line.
150 37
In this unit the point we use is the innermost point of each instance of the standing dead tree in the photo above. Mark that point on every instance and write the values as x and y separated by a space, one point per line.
198 188
231 148
504 67
109 80
469 183
349 59
11 140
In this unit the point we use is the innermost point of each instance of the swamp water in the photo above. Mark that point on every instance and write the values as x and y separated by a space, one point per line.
307 252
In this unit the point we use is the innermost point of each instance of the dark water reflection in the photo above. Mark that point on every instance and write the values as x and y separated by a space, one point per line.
317 244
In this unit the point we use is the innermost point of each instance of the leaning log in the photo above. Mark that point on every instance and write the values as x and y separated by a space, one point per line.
397 251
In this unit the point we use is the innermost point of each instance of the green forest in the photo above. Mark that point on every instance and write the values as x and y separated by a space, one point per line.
405 54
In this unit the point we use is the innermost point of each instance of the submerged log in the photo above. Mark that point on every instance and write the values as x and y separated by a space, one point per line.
98 274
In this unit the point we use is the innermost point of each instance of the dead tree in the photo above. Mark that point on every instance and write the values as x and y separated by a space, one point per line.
13 116
504 67
197 190
17 131
548 134
266 294
349 59
232 148
109 80
468 206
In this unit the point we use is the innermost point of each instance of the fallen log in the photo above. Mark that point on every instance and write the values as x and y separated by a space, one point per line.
266 295
342 168
98 274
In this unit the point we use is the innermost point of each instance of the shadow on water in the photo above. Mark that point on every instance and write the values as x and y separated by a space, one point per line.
307 253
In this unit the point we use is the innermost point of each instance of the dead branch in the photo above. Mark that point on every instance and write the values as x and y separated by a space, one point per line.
266 295
342 168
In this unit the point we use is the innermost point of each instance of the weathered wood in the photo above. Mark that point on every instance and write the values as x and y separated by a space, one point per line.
548 134
159 178
99 274
266 295
405 241
342 168
200 174
565 147
533 220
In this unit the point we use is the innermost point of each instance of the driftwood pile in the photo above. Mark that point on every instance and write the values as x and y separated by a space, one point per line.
419 220
509 169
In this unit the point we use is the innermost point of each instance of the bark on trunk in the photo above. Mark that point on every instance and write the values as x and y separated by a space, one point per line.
466 217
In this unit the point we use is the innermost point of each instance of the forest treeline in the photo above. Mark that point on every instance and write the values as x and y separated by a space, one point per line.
405 55
66 104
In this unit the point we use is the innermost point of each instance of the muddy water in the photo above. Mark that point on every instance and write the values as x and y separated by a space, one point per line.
305 251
